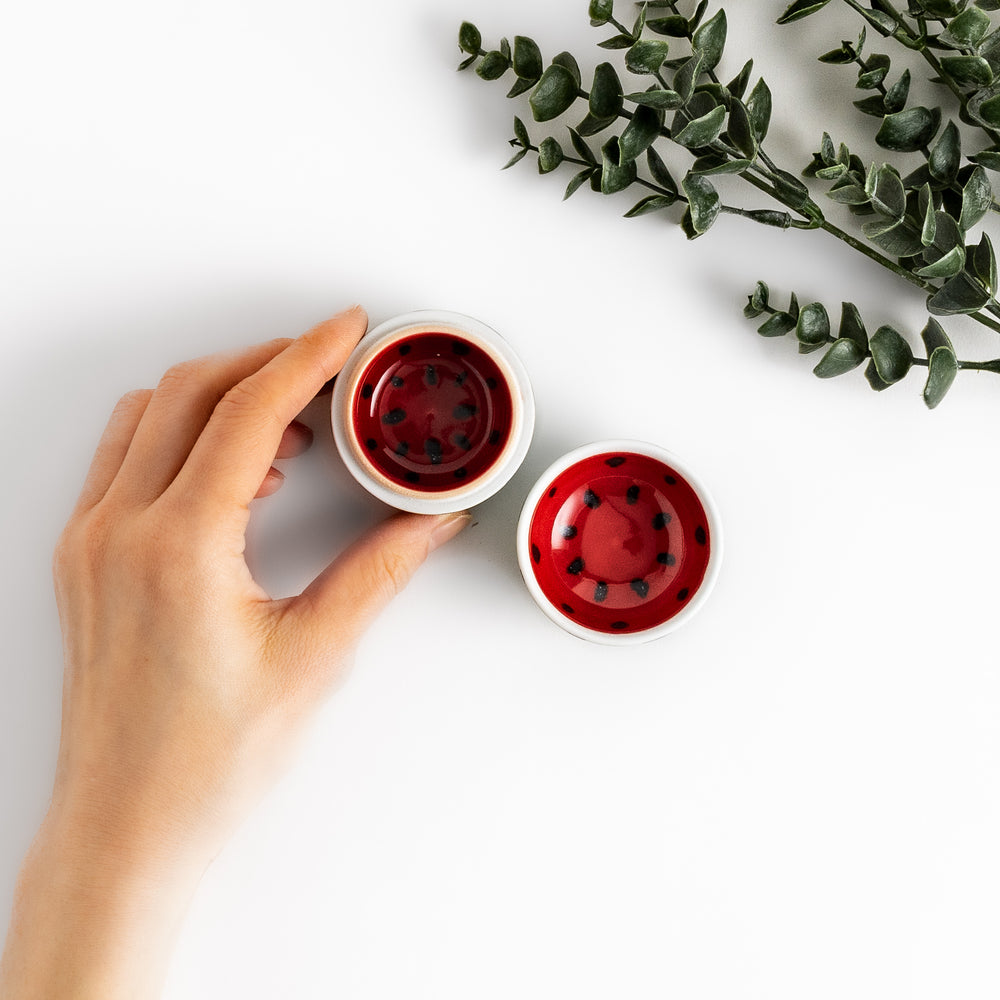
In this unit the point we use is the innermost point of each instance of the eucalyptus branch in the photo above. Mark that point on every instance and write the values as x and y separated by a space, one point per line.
918 223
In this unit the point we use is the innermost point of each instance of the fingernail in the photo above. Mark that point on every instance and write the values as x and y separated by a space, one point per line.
448 526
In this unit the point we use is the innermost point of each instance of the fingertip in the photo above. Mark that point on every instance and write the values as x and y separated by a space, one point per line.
447 527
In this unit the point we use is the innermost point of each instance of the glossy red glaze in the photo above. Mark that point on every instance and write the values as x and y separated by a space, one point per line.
432 412
619 542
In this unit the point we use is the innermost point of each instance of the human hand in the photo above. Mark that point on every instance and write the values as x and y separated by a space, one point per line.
185 684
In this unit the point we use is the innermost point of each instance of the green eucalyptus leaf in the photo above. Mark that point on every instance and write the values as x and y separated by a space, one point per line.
664 100
675 25
910 130
876 69
790 189
984 107
801 8
710 39
873 106
968 71
942 364
759 109
988 158
777 325
469 38
725 167
896 95
646 56
578 180
659 172
961 294
606 92
591 125
900 239
844 355
521 86
704 203
640 21
984 261
505 49
702 131
833 173
757 301
686 76
616 42
466 63
581 147
842 56
601 11
640 133
698 14
891 354
928 230
977 197
493 66
568 61
967 30
944 267
527 58
813 327
555 93
946 155
852 327
885 189
651 203
871 374
615 175
520 132
738 85
946 232
550 155
516 158
848 194
740 129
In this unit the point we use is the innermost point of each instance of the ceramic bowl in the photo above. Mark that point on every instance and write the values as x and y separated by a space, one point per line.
433 412
619 543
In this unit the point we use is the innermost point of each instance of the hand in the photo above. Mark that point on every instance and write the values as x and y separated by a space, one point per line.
185 684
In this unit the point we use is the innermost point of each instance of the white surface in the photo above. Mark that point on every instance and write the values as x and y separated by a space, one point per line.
794 796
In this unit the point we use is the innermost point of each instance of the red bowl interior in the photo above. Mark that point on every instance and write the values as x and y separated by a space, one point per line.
432 412
619 542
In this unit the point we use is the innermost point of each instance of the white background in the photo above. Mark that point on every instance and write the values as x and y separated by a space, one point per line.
794 796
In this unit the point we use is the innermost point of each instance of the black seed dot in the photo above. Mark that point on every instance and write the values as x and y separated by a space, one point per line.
632 494
432 449
575 567
495 437
536 553
491 383
461 473
640 587
665 558
591 499
371 444
366 390
413 477
569 531
431 375
682 594
462 441
552 492
661 521
670 481
699 535
619 625
459 348
404 349
568 609
615 462
402 449
464 411
460 378
396 381
601 592
396 416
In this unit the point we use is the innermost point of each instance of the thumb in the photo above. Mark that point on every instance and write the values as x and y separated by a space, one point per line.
338 606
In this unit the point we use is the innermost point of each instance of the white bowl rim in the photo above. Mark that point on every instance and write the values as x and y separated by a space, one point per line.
461 497
571 458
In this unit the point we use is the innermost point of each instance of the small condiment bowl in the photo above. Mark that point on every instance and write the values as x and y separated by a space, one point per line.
433 412
619 543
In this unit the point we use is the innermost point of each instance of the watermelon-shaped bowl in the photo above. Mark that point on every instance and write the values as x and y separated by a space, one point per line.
619 543
433 412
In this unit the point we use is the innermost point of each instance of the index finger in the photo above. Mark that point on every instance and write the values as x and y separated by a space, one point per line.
233 453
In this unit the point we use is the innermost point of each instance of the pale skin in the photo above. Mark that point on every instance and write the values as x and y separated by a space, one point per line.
185 684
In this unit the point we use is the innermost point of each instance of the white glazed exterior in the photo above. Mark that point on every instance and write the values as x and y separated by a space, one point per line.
524 544
462 497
